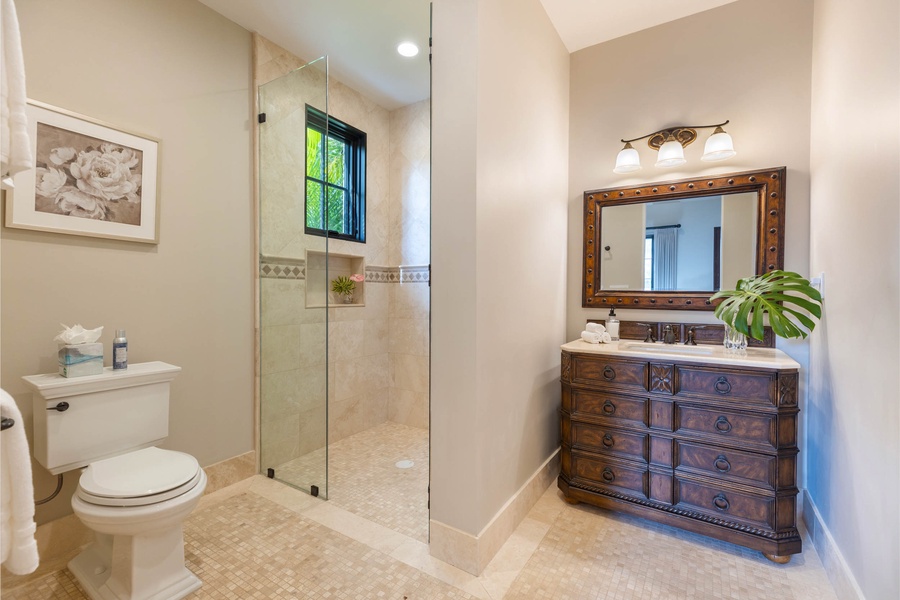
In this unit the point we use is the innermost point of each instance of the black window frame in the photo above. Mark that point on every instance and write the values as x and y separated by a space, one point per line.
355 204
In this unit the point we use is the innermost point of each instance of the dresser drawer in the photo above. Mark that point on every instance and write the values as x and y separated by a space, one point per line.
610 441
726 427
621 411
744 386
726 464
626 478
610 373
725 503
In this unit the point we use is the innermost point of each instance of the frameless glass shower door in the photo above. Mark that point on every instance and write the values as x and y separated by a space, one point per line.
293 284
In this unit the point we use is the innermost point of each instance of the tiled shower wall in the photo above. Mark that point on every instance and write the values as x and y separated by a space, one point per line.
410 219
378 354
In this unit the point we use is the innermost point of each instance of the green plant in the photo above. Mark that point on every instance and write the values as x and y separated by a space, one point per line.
343 285
778 293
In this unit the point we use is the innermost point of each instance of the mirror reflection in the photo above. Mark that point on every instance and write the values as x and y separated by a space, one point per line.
700 244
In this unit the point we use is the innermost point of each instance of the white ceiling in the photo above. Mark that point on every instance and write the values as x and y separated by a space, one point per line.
360 37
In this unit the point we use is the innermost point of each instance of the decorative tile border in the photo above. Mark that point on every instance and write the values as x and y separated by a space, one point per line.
401 274
282 267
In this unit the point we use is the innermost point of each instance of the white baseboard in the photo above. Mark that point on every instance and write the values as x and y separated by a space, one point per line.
839 574
472 553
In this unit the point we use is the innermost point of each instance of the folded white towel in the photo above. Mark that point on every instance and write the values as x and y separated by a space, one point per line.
18 549
590 337
15 145
605 338
595 328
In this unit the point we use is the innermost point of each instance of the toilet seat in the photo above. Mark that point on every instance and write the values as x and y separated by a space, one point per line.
139 478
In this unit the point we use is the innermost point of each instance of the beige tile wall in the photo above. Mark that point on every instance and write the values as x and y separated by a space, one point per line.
410 217
377 361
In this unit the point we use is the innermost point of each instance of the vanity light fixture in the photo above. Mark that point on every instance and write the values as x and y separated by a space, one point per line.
670 143
407 49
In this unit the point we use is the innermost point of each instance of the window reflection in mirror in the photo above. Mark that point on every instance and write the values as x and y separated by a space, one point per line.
699 244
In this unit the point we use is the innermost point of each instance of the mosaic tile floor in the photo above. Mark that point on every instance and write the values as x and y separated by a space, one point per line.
363 478
591 553
263 540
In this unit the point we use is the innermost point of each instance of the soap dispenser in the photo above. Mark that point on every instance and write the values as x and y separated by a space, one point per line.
612 325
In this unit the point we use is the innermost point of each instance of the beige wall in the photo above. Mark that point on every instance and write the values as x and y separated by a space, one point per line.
739 214
177 71
499 149
854 420
623 229
726 63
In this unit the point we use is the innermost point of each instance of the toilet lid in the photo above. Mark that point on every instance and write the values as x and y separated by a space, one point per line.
139 474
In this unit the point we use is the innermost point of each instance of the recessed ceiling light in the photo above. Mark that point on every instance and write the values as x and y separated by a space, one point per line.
407 49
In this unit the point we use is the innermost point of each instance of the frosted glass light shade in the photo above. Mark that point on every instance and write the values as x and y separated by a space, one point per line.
627 160
671 154
719 146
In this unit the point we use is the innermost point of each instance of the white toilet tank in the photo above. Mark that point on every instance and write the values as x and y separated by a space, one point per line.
107 414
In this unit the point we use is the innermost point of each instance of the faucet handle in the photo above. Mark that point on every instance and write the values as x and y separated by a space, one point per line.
651 337
689 339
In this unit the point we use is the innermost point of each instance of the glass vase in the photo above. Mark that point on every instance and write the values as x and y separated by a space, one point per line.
348 298
735 341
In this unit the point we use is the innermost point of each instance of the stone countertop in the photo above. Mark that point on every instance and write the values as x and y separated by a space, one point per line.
766 358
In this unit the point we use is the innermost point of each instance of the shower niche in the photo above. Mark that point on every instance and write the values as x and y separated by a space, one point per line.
322 268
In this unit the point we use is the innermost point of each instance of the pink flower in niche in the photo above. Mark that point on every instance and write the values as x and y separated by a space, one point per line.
357 277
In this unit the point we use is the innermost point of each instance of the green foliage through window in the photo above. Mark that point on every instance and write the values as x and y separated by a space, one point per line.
335 177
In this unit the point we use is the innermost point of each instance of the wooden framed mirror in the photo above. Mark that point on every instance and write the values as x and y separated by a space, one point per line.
672 245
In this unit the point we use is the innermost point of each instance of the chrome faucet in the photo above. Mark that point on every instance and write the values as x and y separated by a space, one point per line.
669 336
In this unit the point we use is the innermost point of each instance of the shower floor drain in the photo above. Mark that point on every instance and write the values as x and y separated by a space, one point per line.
404 464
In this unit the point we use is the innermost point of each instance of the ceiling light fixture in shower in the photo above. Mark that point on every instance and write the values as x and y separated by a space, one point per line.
407 49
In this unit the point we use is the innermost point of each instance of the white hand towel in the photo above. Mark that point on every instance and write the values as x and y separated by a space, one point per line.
18 549
605 338
595 328
15 145
590 337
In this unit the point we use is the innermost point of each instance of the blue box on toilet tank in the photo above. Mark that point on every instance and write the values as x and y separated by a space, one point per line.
78 360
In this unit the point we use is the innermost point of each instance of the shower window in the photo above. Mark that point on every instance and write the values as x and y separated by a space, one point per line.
335 178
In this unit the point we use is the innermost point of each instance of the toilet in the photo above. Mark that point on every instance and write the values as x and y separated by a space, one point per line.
133 495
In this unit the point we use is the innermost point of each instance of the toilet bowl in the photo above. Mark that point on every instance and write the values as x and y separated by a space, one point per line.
133 495
136 504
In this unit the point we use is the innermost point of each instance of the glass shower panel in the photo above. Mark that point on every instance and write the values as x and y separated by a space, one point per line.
293 350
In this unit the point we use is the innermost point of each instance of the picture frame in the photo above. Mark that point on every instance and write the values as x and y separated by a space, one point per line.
90 179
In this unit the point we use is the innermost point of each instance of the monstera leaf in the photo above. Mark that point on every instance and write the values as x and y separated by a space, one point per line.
778 293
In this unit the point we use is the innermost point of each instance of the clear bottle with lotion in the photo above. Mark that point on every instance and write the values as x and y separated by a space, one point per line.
612 325
120 351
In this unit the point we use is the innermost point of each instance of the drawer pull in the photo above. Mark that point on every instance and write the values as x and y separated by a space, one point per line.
722 465
608 441
607 475
721 502
722 386
609 373
609 408
722 425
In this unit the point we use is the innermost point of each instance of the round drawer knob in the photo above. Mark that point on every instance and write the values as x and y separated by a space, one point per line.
609 373
721 502
609 408
607 475
722 425
608 441
722 465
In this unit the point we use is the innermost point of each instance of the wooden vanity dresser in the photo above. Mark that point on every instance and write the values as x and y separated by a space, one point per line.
696 439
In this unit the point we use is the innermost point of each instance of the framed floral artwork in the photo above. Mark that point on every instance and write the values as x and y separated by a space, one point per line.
90 178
